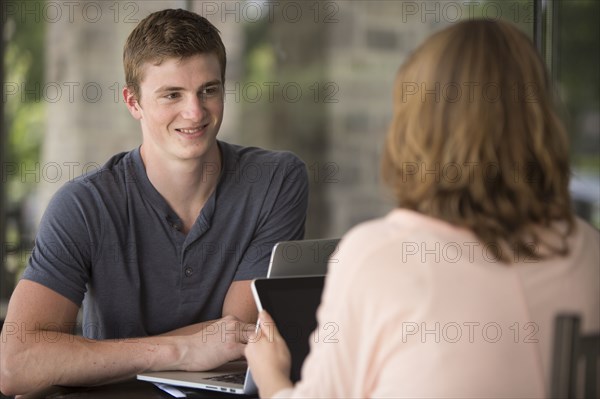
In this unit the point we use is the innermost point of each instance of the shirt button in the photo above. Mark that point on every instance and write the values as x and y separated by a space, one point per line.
188 271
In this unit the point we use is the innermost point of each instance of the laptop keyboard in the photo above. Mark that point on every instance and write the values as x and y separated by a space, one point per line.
235 378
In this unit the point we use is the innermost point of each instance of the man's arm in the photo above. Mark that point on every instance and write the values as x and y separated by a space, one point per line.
283 220
39 349
239 302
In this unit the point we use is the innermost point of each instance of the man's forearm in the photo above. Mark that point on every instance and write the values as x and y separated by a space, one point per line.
37 359
188 330
44 358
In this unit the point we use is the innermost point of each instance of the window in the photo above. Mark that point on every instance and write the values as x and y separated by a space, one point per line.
571 45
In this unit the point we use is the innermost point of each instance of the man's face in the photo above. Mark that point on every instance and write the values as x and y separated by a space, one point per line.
181 107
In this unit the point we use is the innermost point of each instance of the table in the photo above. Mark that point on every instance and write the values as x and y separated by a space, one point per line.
131 389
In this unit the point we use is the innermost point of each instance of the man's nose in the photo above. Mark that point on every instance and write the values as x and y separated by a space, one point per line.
194 108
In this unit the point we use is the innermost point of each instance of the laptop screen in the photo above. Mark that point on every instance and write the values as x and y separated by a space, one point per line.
302 258
293 303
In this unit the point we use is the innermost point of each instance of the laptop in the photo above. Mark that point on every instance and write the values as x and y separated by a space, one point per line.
302 258
233 377
292 302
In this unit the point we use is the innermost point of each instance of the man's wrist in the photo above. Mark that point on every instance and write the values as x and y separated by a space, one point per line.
165 354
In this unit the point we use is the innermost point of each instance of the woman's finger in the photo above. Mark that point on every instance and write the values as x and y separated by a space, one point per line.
267 325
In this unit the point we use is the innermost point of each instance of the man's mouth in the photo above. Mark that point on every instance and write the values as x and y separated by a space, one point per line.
191 130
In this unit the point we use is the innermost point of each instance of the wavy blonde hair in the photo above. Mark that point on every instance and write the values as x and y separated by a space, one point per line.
475 139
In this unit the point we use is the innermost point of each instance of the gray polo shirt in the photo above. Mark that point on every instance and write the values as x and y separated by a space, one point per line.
111 241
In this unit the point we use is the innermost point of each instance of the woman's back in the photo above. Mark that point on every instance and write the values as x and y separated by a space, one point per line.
423 309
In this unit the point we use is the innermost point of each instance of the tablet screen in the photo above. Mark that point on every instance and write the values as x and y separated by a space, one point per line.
293 303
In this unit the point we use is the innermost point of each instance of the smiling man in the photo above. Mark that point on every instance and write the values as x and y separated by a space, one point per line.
159 246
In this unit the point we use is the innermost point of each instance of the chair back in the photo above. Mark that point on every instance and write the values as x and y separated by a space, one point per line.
575 371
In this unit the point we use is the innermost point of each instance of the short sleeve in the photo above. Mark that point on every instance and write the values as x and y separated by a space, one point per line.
282 218
63 250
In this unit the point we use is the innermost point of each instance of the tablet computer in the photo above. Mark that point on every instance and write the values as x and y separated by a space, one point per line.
292 302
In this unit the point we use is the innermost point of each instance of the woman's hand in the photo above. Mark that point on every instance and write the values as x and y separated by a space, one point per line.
268 357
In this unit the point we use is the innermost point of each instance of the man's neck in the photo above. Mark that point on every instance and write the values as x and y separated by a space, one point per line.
186 185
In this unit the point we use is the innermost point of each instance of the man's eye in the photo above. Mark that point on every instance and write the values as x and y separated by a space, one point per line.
172 96
210 91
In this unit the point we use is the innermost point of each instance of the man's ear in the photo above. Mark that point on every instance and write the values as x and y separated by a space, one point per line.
132 103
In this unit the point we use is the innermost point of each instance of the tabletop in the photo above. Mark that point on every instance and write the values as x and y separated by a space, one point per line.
131 389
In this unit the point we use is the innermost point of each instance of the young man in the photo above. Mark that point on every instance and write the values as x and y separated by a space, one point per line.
161 243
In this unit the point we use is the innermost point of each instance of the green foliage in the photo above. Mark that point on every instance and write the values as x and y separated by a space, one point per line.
24 118
578 74
24 68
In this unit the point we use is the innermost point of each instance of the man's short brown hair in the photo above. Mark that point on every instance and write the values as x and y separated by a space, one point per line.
169 34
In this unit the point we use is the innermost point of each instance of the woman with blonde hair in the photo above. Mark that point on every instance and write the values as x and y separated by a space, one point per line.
454 293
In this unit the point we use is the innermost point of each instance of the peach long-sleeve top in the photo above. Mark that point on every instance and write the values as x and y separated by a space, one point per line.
415 307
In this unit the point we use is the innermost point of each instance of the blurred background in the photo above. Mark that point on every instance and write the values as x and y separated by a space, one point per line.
313 77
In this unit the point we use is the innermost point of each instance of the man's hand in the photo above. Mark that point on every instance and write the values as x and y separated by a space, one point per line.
268 357
216 343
